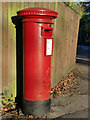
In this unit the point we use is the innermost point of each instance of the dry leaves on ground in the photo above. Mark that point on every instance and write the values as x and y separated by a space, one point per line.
30 116
65 85
9 107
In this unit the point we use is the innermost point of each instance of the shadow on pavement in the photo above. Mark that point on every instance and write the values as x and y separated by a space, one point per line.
82 61
83 56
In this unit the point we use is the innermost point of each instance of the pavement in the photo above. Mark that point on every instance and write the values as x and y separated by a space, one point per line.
75 105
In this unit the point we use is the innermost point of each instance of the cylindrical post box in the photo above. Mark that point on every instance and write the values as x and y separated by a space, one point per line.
37 52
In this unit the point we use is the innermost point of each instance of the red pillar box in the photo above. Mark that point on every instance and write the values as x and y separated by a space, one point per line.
37 50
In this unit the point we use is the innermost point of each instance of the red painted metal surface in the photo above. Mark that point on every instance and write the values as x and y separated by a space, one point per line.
37 11
37 66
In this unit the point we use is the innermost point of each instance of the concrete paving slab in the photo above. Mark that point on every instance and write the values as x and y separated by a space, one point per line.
65 104
78 114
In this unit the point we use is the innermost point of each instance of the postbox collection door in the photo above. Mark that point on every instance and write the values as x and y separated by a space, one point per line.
37 60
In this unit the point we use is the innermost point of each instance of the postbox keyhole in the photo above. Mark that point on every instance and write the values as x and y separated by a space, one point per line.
46 31
49 25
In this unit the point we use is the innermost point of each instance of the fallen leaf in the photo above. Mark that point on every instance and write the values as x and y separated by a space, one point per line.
62 83
9 105
6 108
77 88
30 116
60 92
65 83
63 105
51 91
13 106
3 113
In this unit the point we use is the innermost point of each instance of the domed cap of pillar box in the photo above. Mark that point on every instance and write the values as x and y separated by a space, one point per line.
37 12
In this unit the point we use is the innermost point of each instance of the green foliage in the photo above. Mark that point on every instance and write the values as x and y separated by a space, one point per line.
7 97
84 33
86 6
78 7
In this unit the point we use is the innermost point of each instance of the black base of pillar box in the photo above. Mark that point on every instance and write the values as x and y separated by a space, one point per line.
36 108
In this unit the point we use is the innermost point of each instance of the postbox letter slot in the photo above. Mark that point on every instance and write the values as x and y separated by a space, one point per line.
47 31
